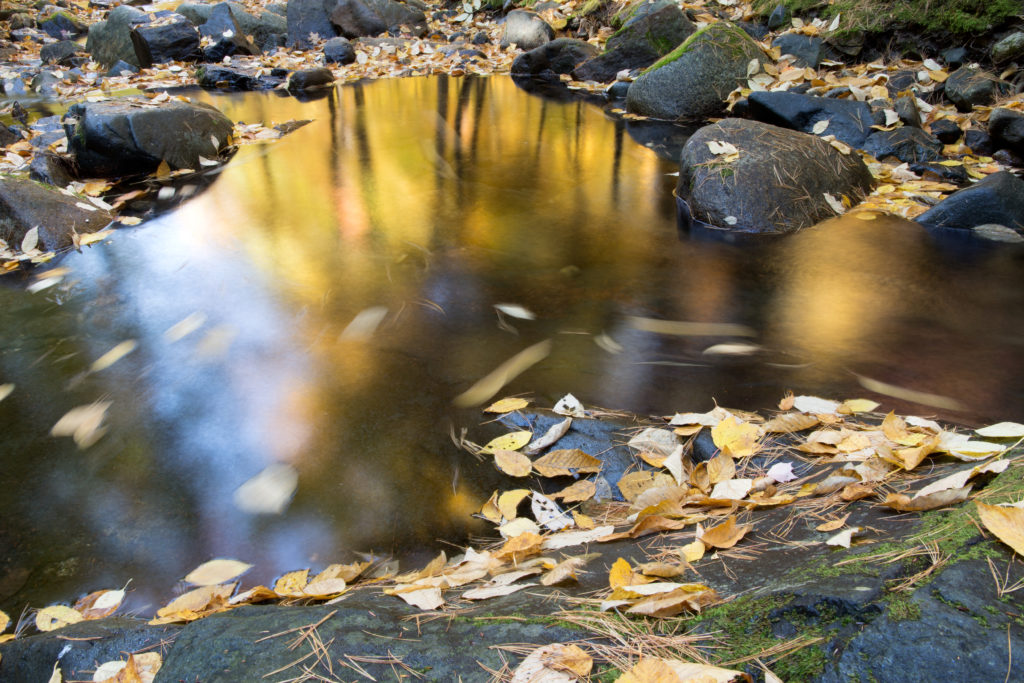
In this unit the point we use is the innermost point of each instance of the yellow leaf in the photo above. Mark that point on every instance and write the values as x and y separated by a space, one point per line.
577 492
790 422
4 621
518 548
895 429
56 616
654 670
487 387
512 463
325 588
929 501
163 171
857 405
292 583
832 525
621 574
1002 430
582 521
736 438
566 462
186 606
720 468
693 597
633 484
508 502
490 509
691 552
349 572
725 535
507 405
1007 523
216 571
512 441
99 604
563 571
113 355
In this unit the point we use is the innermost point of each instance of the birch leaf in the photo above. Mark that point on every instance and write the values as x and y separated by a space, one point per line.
548 514
570 405
929 501
508 502
724 535
493 591
577 492
566 462
789 422
1002 430
551 437
512 441
736 438
216 571
56 616
843 538
512 463
1007 523
507 405
568 539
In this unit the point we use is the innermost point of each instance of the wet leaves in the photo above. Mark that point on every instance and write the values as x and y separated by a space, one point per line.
566 462
57 616
512 441
84 424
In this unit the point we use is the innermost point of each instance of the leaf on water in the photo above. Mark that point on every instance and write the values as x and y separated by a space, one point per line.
928 501
516 311
269 492
185 327
507 405
512 441
56 616
734 489
551 437
1007 523
512 463
216 571
790 422
83 424
570 405
5 390
813 404
548 513
492 383
724 535
781 472
652 439
113 355
577 492
508 502
493 591
735 437
99 604
843 538
834 524
292 583
31 240
566 462
366 322
567 539
1002 430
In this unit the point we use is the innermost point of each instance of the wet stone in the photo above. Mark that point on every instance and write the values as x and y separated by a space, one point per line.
946 131
309 79
64 53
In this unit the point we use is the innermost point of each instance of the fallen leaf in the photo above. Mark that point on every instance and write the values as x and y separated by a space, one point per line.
569 405
216 571
577 492
735 437
5 390
490 510
650 524
492 383
426 599
512 463
857 405
555 663
724 535
953 481
1002 430
789 422
30 240
563 571
655 670
566 462
929 501
186 606
4 621
268 492
834 524
633 484
508 502
691 552
621 574
1007 523
507 405
582 520
56 616
693 597
519 525
843 538
733 489
113 355
548 514
292 583
551 437
520 547
99 604
325 588
567 539
674 464
655 440
718 147
976 450
512 441
781 472
813 404
516 311
493 591
84 423
721 468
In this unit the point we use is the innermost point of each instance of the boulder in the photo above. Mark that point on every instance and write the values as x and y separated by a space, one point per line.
308 18
808 50
998 199
978 140
25 204
849 120
779 17
526 30
652 31
945 130
111 40
776 184
64 53
268 24
121 68
125 137
1008 48
62 25
310 79
170 38
906 109
224 28
905 143
560 56
1006 128
8 136
338 50
969 86
211 76
357 18
20 20
52 169
694 79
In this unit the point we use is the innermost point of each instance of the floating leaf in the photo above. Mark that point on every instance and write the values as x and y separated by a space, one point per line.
516 311
512 463
492 383
56 616
269 492
5 390
1007 523
113 355
84 423
725 535
569 405
507 405
512 441
1002 430
216 571
551 437
566 462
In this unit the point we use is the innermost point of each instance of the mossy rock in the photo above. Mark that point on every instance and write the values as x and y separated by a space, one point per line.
962 17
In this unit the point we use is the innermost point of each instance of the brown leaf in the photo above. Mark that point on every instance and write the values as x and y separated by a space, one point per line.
633 484
852 492
563 571
576 492
930 501
651 524
693 597
1007 523
832 525
348 572
664 570
721 468
566 462
912 457
790 422
512 463
520 547
99 604
725 535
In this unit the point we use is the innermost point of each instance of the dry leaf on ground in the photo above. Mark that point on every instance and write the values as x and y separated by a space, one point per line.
216 571
1007 523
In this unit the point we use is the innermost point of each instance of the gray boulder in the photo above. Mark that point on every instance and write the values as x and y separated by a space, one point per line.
560 56
170 38
125 137
310 79
1006 128
652 31
998 199
777 183
308 18
339 51
526 30
358 18
808 50
25 204
110 41
849 120
905 143
65 53
267 25
62 25
1008 48
969 86
694 80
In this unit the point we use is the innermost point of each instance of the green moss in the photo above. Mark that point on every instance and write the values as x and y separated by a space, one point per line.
902 608
956 16
722 33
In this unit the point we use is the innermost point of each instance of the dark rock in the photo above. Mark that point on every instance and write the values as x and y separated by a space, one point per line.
808 50
65 53
261 29
110 41
1006 127
119 68
62 25
978 140
755 31
52 169
969 86
617 90
44 83
949 174
357 18
481 38
999 198
220 20
1008 48
210 76
745 194
228 46
25 204
954 57
526 30
646 36
22 20
906 109
8 136
946 131
694 80
849 120
1008 158
339 51
665 138
168 39
309 79
111 139
905 143
779 17
307 18
560 56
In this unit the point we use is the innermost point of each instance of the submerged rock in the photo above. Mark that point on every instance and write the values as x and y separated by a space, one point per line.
112 139
694 80
310 79
849 120
560 56
776 184
339 50
526 30
998 199
26 204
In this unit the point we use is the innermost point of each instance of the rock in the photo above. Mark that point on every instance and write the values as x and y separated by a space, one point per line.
849 120
999 198
119 68
228 46
338 50
7 136
21 20
978 140
307 18
220 19
52 169
526 30
481 38
1006 127
617 90
746 193
124 137
357 18
25 204
269 23
954 57
1008 48
560 56
906 109
946 131
652 31
779 17
947 174
905 143
230 38
308 79
693 80
62 25
45 83
969 86
210 76
808 50
111 40
755 31
64 53
167 39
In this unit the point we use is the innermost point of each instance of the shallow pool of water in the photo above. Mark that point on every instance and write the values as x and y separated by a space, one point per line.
413 207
